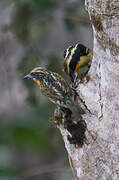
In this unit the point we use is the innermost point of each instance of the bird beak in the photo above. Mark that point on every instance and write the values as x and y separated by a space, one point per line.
28 76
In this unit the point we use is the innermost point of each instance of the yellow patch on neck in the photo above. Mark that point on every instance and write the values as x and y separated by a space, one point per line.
37 81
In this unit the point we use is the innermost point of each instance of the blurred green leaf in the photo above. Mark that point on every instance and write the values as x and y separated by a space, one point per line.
33 133
75 15
70 24
20 22
41 6
54 64
10 174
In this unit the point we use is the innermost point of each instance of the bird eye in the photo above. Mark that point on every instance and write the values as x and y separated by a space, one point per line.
33 74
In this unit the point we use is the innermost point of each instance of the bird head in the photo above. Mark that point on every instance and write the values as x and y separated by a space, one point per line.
36 74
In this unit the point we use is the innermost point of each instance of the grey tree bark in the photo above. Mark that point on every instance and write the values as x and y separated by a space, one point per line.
98 159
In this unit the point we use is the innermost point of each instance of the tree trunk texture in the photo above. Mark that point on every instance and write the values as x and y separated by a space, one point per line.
98 158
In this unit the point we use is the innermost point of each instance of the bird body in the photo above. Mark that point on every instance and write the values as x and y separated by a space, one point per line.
55 88
77 61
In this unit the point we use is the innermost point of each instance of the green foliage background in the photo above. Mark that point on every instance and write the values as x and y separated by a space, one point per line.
35 33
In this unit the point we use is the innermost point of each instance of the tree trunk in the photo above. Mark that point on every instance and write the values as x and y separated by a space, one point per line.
98 158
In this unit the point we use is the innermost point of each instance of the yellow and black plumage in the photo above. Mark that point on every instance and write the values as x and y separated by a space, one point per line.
77 61
55 88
